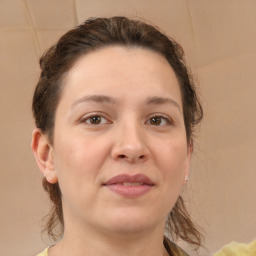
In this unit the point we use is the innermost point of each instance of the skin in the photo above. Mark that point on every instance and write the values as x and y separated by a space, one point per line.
134 133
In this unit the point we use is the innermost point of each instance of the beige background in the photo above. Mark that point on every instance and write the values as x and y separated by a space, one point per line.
219 38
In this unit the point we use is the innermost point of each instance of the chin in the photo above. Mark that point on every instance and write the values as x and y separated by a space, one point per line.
131 221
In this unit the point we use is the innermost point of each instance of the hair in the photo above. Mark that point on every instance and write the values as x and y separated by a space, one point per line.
97 33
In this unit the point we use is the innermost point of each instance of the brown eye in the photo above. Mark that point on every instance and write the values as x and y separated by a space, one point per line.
159 121
95 120
155 120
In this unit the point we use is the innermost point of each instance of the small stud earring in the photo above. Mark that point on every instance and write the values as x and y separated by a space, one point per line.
186 178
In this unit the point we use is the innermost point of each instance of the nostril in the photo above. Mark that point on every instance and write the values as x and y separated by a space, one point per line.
141 157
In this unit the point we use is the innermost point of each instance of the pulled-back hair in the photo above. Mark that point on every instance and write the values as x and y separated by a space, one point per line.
98 33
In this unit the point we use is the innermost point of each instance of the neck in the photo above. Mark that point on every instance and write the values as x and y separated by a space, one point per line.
91 243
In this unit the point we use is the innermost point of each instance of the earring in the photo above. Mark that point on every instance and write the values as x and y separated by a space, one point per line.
186 178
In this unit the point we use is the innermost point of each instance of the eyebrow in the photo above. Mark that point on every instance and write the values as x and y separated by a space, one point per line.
95 98
155 100
162 100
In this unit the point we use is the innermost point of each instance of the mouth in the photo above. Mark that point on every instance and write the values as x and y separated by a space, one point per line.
129 186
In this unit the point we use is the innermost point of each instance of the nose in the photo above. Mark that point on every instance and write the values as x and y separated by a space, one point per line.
130 144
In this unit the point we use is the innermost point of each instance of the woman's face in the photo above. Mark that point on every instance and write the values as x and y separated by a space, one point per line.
120 152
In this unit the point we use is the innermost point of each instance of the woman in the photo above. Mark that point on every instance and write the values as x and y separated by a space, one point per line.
115 108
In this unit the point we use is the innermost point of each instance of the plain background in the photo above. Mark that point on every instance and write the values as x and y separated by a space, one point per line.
219 39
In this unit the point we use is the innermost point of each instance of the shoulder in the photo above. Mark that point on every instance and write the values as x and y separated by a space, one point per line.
173 249
44 253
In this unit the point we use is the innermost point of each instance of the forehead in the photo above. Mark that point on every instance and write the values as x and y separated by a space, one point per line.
116 69
121 58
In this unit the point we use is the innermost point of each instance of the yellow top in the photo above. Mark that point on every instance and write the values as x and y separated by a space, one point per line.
172 249
232 249
238 249
44 253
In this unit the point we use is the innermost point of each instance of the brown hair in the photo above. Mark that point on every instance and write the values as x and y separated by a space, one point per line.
94 34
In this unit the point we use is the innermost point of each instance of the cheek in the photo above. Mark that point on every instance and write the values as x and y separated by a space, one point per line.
77 164
173 157
173 161
76 158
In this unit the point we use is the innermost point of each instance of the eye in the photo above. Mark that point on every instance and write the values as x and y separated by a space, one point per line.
95 120
159 121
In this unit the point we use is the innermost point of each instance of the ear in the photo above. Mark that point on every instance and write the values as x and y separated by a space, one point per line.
188 162
43 152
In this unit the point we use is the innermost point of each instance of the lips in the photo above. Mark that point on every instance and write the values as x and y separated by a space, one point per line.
130 186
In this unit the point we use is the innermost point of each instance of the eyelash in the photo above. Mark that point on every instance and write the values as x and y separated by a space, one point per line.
87 119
